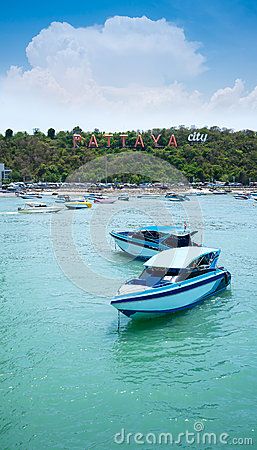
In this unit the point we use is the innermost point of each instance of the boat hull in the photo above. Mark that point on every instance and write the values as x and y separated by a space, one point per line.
39 210
141 251
30 197
162 301
105 201
78 205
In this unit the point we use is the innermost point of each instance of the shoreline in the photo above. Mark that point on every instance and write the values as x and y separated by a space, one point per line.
134 192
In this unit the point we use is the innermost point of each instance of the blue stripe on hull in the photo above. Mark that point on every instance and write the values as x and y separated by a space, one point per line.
145 313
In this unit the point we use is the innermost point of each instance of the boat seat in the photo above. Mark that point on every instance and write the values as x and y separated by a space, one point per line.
130 288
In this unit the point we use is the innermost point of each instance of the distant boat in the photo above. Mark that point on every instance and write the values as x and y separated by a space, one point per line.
219 192
29 196
105 200
124 197
171 281
31 208
62 199
148 196
78 204
172 196
92 196
242 197
146 242
196 193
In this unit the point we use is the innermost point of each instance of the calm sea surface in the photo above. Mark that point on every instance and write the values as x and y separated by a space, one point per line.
69 380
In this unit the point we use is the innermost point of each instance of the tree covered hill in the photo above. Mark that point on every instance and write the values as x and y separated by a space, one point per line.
225 155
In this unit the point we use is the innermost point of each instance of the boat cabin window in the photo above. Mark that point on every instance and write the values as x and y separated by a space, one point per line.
178 241
154 275
151 235
147 235
202 262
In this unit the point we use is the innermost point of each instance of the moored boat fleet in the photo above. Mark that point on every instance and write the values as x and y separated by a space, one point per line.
62 200
178 272
87 200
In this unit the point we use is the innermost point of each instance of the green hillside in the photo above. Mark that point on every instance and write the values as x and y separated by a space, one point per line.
226 155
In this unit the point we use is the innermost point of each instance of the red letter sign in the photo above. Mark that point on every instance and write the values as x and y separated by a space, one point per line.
93 141
172 141
108 136
139 141
123 140
155 139
76 139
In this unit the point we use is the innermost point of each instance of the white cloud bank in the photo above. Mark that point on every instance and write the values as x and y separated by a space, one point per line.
128 73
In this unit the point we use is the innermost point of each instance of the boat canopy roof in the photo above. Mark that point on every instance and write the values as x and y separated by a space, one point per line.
180 258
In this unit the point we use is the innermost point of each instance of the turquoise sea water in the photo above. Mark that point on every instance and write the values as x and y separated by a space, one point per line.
69 380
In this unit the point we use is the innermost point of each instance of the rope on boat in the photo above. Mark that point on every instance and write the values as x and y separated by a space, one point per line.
118 329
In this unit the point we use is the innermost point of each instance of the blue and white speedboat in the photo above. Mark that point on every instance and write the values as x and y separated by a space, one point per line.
171 281
172 196
146 242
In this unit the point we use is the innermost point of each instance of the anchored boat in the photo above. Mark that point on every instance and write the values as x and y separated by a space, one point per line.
124 197
146 242
29 196
173 197
62 198
31 208
83 204
242 196
105 200
171 281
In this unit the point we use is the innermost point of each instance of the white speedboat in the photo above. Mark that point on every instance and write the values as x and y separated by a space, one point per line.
91 196
173 197
124 197
149 196
219 192
106 200
171 281
30 196
146 242
242 196
62 198
31 208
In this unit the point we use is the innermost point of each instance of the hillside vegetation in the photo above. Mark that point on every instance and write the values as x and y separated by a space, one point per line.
226 155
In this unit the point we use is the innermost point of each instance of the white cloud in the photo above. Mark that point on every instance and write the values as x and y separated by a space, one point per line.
123 51
128 73
228 97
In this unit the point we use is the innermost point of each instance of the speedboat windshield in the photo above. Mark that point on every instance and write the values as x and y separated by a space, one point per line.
204 261
147 235
153 275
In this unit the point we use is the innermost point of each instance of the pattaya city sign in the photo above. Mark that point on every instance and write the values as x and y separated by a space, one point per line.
139 140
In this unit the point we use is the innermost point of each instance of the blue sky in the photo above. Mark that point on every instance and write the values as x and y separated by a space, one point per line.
226 29
57 82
